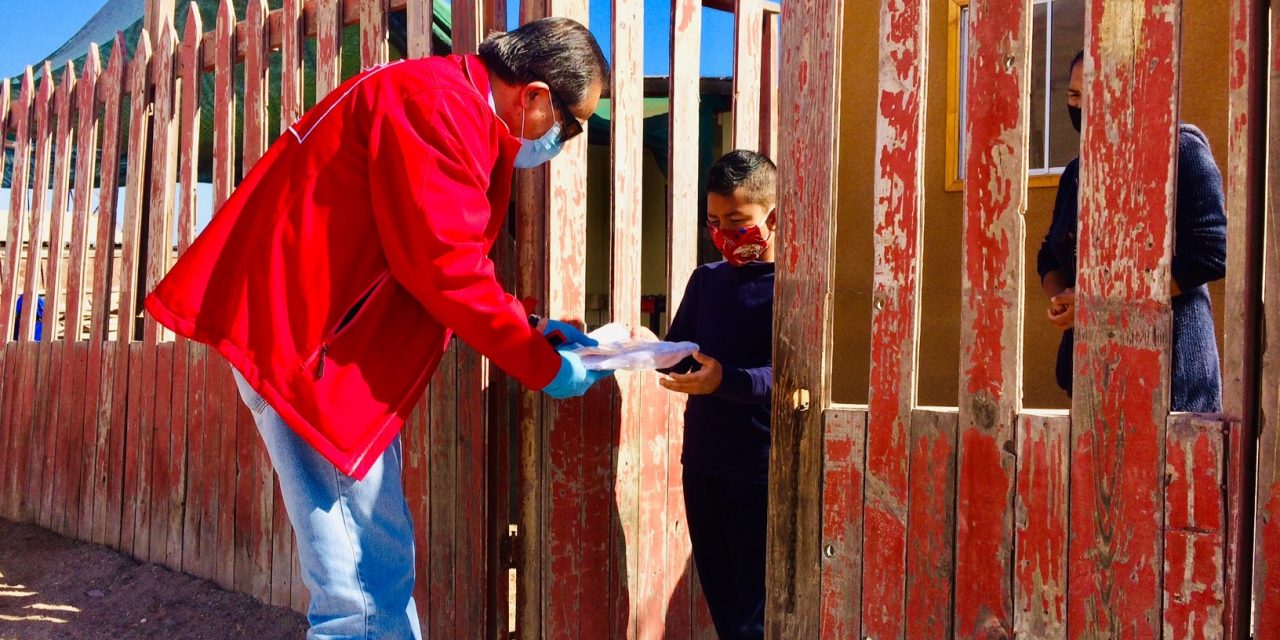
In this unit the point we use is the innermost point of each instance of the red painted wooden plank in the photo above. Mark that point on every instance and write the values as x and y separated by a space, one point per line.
299 599
291 65
416 480
86 167
200 474
1194 528
1246 208
231 441
175 493
224 105
471 485
189 119
6 433
128 415
1040 554
931 525
1122 317
18 430
15 229
682 224
1266 569
374 49
991 324
38 220
257 79
164 170
328 20
748 33
33 438
281 567
62 472
769 85
895 331
442 465
111 90
165 489
59 230
135 188
254 504
844 450
467 26
44 438
419 15
626 208
649 600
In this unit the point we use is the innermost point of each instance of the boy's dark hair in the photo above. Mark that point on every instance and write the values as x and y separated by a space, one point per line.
1077 60
557 51
747 174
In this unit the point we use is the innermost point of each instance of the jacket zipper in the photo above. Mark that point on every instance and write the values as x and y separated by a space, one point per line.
347 318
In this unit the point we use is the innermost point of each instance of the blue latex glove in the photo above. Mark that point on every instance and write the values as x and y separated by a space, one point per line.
573 379
561 334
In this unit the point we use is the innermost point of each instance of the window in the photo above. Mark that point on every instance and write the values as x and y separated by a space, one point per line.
1057 34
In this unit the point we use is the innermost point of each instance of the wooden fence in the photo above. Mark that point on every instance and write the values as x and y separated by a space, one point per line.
1115 520
888 520
138 441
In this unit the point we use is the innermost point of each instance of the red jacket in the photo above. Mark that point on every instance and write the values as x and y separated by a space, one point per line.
334 276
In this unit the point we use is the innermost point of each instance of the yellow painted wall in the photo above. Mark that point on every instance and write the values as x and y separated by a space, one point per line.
1203 103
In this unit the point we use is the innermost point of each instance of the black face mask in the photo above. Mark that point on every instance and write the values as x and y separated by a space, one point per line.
1076 116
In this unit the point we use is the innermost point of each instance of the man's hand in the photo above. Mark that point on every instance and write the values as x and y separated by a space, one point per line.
699 383
1062 309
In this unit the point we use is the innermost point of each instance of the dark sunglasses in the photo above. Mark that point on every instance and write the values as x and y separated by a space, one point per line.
570 126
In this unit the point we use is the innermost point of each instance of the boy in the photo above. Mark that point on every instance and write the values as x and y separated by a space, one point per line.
728 311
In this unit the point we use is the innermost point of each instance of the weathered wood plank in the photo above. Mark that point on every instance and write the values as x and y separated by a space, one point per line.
225 422
626 209
38 220
417 490
189 118
470 483
19 185
374 49
198 533
292 64
82 204
931 519
898 223
224 105
164 170
748 36
7 447
1122 317
991 312
1266 568
55 270
136 451
257 82
419 16
467 27
844 451
770 44
443 493
1194 528
33 441
328 20
166 490
111 90
1040 554
135 189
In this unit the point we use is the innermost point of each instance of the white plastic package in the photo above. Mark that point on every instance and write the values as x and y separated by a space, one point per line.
619 350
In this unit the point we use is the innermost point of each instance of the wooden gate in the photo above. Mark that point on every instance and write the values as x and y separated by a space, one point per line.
112 431
1115 520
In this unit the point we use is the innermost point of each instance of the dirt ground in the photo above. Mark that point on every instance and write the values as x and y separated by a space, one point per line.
53 588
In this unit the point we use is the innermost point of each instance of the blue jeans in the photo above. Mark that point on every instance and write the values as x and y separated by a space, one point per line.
355 538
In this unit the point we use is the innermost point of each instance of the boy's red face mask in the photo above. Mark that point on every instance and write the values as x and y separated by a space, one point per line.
740 246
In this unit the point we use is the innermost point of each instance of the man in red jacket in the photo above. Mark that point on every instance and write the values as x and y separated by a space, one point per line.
335 275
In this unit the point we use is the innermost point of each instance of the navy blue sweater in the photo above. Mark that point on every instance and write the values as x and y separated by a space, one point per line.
1199 257
728 311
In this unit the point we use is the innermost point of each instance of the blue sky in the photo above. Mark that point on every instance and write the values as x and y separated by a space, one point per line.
30 31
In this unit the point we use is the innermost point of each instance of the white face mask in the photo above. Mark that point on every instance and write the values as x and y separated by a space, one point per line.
536 152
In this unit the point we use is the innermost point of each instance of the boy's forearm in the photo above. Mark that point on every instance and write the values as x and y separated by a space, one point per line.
747 386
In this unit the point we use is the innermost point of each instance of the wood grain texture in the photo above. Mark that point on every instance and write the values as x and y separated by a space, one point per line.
224 104
135 189
1040 554
769 73
16 228
844 457
59 228
1195 528
467 29
189 119
748 34
328 21
991 311
374 49
419 17
164 171
1122 326
292 66
898 224
38 216
105 277
931 520
86 137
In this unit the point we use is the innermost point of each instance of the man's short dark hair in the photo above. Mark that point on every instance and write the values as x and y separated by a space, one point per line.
557 51
746 174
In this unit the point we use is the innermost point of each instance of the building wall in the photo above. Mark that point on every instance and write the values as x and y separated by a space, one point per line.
1204 103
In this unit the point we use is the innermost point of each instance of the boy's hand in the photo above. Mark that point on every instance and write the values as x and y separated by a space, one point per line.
699 383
